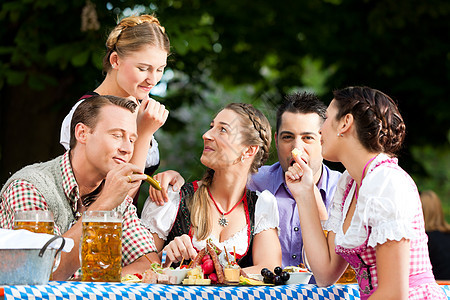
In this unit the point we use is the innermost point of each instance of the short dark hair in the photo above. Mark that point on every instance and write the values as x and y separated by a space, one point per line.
301 102
88 110
379 124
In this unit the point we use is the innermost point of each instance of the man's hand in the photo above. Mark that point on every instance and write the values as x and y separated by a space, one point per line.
118 183
165 179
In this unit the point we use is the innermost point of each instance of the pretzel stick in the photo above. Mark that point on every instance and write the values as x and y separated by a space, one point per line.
226 254
234 249
190 263
145 255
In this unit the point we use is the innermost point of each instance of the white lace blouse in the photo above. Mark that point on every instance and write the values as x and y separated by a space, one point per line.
152 153
388 201
159 220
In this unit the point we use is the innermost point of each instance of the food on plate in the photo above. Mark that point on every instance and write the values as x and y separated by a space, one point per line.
156 274
297 275
132 278
207 269
232 273
277 277
214 252
196 276
208 264
293 269
179 273
251 281
198 259
150 276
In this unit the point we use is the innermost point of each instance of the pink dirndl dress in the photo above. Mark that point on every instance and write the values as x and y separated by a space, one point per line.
388 208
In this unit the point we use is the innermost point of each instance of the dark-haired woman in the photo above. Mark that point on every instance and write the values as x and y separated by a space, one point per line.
376 222
219 207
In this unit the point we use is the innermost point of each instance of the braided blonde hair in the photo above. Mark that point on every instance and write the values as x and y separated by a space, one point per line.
255 130
132 33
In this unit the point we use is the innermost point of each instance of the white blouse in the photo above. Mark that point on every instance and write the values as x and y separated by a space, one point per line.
159 220
152 153
387 202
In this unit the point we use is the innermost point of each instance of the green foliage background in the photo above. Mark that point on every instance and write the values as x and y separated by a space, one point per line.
229 50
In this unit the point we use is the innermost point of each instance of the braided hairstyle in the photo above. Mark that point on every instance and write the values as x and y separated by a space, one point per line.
379 125
255 130
132 33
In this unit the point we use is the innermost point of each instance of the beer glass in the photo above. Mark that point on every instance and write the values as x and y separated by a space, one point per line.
39 221
348 276
101 246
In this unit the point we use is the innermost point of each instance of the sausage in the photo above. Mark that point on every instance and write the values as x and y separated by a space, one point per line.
214 256
198 259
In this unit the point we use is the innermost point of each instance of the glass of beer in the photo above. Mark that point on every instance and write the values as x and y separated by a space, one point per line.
101 246
348 276
39 221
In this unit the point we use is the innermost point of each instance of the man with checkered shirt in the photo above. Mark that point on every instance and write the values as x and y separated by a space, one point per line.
94 175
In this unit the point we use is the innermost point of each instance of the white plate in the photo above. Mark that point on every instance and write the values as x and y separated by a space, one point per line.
299 278
179 273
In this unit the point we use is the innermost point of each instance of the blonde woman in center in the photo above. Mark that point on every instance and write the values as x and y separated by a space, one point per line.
219 206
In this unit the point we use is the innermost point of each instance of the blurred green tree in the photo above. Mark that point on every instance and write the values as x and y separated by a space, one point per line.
50 53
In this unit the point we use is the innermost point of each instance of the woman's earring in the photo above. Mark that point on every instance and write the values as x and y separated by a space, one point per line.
242 158
340 134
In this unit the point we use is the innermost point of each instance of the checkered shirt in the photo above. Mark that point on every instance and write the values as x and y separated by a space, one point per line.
22 195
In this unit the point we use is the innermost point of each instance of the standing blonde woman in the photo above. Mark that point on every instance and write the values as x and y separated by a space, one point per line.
438 232
219 206
376 223
136 55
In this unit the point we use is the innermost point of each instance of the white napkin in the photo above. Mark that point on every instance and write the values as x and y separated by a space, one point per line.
24 239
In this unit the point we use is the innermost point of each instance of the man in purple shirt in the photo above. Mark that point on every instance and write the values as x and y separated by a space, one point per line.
299 119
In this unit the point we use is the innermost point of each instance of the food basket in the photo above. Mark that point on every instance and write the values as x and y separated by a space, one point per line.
28 266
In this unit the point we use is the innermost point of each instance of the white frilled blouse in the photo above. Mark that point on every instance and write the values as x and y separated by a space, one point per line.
388 202
159 220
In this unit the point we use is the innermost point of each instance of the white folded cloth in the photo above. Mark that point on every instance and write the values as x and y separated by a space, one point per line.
24 239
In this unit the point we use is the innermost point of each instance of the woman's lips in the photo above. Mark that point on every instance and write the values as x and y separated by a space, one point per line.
119 160
146 88
207 149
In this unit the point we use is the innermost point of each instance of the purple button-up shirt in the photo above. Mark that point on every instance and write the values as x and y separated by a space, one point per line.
272 178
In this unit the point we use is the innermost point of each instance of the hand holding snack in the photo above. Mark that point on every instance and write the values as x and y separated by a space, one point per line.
299 176
119 181
180 248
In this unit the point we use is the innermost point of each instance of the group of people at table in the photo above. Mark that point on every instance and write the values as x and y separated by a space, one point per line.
268 215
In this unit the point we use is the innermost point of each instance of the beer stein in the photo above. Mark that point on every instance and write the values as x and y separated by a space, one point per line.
101 246
348 276
39 221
